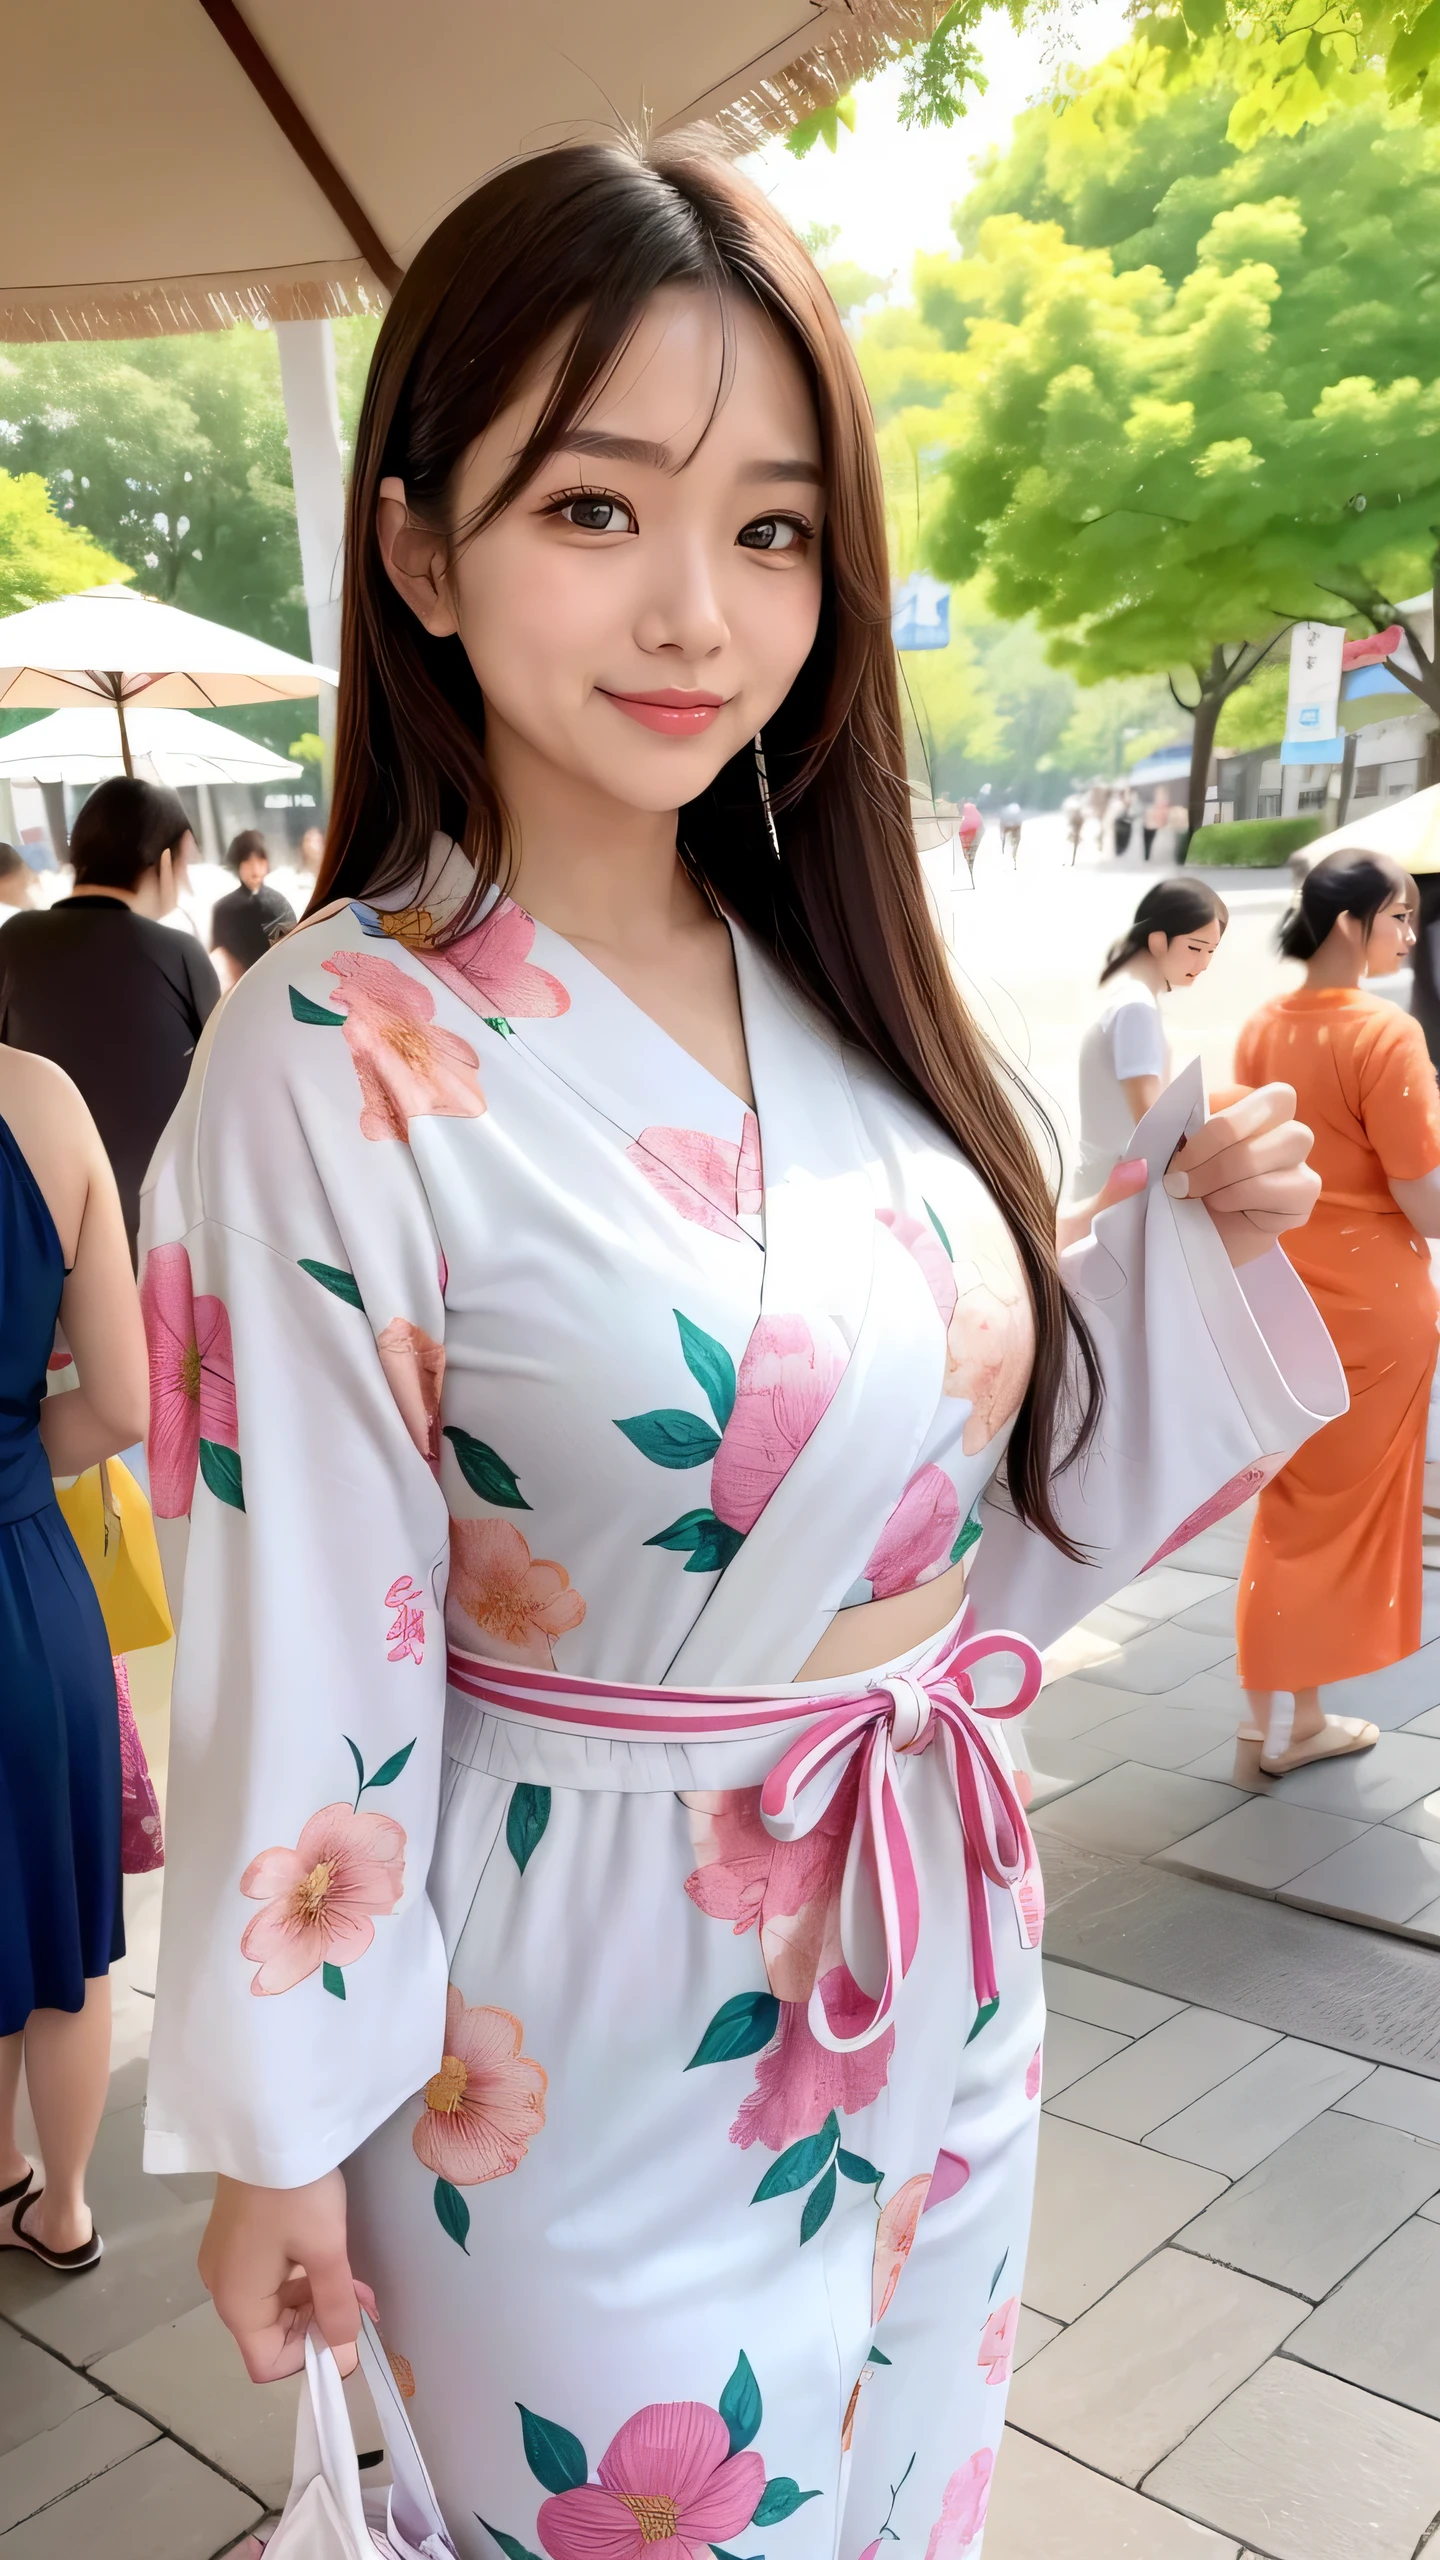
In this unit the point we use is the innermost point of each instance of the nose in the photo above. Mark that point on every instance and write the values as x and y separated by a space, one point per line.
681 615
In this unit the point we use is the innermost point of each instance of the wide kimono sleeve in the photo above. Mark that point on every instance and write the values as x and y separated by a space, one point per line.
293 1294
1212 1378
1399 1098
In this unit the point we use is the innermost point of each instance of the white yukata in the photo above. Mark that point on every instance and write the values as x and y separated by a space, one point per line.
480 1310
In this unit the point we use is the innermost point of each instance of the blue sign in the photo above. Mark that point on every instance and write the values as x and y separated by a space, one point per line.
920 614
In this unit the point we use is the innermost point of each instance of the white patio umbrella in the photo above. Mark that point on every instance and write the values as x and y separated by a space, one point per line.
171 747
1408 830
109 645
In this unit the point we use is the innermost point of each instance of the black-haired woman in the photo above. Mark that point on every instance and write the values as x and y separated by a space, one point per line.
1124 1056
1331 1586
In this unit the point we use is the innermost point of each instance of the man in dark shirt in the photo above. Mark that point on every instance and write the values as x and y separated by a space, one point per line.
97 983
243 925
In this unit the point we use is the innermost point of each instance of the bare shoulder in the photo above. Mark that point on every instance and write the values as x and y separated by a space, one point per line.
46 1112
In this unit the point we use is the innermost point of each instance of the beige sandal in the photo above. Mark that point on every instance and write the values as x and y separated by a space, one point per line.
1249 1743
1336 1739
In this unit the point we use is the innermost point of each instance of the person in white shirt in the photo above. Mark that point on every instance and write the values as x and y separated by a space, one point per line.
1125 1056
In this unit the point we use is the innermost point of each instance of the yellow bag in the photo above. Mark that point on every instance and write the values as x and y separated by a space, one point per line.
111 1524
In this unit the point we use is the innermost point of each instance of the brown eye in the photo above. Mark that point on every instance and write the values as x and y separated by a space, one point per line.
773 533
598 514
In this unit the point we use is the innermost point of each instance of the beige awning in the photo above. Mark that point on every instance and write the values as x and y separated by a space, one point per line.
181 164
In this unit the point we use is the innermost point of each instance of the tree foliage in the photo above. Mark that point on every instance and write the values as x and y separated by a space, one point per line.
40 555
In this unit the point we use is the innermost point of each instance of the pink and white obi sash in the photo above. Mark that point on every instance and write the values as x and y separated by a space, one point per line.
929 1702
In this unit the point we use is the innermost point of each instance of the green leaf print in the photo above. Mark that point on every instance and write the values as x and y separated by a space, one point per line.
305 1009
497 1022
710 1365
1000 2270
779 2499
741 2406
803 2161
939 1230
971 1532
452 2213
341 1284
864 2172
220 1468
875 2357
333 1979
389 1770
359 1768
555 2456
983 2016
512 2549
742 2026
708 1544
731 2555
484 1470
670 1438
817 2207
525 1822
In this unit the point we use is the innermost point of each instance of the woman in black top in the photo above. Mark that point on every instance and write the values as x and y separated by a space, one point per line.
97 983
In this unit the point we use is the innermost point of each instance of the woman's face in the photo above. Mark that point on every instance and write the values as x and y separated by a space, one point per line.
1392 934
645 604
1187 956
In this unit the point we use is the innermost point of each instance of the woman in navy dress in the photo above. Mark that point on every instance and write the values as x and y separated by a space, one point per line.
63 1255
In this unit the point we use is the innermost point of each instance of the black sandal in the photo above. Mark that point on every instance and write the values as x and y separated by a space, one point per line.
67 2262
12 2195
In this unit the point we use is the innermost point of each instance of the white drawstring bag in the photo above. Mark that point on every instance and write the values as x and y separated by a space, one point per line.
327 2514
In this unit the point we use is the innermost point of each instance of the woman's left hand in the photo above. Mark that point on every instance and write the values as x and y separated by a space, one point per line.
1250 1165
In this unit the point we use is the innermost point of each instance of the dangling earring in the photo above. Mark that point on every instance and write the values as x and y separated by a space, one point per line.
763 779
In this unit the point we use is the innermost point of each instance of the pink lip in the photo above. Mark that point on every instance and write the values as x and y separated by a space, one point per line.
672 714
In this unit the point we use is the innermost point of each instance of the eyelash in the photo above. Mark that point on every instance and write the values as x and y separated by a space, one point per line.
564 498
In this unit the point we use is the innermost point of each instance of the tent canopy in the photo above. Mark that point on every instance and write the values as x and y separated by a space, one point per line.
173 747
1408 830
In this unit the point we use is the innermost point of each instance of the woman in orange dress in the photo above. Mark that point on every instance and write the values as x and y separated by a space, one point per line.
1331 1583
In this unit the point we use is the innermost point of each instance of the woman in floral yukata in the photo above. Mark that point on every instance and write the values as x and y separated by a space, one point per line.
593 1278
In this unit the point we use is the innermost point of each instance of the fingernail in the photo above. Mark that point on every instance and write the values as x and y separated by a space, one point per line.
1178 1185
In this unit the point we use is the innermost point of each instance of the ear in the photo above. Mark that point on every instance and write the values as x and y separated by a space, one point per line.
1158 947
416 561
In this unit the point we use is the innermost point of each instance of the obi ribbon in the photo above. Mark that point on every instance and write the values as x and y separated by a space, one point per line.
930 1704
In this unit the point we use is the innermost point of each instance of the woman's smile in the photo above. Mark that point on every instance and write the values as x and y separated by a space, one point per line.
672 712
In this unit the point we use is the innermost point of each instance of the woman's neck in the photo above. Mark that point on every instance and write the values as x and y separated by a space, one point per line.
1147 969
1337 963
594 869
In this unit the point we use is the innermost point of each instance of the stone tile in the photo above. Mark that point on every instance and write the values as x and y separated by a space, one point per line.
1428 1723
1068 1764
1068 1709
1392 1696
1218 1550
1071 1992
1159 1735
1126 2383
1424 1924
1218 1688
79 2449
1212 1617
1431 2212
1308 2468
1162 1658
1169 1591
37 2392
1319 2204
1379 2329
143 2279
1069 1870
1262 1844
1047 2508
1100 2207
1237 2125
1422 1818
1118 1625
1385 1875
1160 2073
1400 2098
1220 1763
1131 1812
1368 1785
1033 2333
161 2502
1072 2049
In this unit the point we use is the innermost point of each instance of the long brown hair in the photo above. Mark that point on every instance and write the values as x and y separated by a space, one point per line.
559 255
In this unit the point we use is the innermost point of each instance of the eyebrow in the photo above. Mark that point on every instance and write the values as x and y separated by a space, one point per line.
658 457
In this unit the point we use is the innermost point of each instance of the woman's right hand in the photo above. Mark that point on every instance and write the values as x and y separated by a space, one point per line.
275 2258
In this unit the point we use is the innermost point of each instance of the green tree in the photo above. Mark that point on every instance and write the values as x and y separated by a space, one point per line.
1166 463
40 555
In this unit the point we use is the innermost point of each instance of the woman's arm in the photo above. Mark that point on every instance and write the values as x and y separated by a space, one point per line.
1249 1164
1420 1201
1140 1092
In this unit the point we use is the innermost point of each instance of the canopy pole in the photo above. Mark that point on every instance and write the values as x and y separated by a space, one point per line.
317 467
125 754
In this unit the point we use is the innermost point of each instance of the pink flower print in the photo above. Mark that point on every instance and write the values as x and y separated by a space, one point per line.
915 1543
493 965
670 2488
990 1344
948 2176
192 1377
1031 1901
789 1889
520 1602
894 2239
408 1068
1033 2070
962 2510
406 1635
319 1896
919 1237
414 1366
997 2340
485 2104
1219 1507
798 2081
786 1379
708 1180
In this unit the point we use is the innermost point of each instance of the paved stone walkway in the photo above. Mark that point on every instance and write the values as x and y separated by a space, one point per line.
1229 2349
